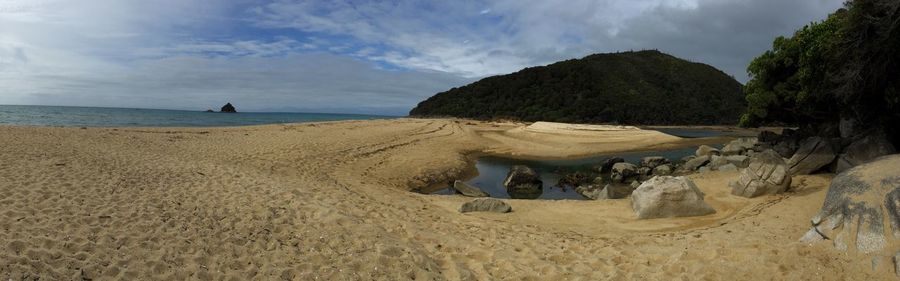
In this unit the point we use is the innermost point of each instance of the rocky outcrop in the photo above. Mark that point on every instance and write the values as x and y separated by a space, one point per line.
861 209
766 174
523 183
813 154
228 108
623 172
461 187
485 205
664 197
592 192
863 150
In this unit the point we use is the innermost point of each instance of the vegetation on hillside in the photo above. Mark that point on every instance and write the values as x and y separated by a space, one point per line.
845 67
644 87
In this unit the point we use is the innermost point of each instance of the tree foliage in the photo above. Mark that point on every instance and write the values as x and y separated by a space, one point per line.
645 87
847 66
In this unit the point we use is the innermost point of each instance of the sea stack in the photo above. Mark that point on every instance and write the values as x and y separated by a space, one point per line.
228 108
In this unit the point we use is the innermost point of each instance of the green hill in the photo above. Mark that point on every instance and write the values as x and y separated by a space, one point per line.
645 87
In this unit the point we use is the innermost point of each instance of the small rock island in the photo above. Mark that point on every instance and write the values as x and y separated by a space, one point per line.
228 108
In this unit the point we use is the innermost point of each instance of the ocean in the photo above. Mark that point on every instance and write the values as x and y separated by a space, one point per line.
32 115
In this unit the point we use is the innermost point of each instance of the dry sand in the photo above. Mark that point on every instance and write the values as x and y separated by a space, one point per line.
331 201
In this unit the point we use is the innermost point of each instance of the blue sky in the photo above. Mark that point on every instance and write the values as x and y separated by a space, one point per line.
347 56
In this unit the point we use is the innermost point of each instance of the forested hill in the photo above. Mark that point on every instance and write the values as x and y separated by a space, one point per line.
644 87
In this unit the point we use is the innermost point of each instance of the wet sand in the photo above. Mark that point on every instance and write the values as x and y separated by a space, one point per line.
332 201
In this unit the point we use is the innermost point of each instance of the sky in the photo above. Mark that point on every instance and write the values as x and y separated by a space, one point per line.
371 57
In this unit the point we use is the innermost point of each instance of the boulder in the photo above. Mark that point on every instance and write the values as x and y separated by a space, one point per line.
523 183
653 161
461 187
485 205
705 150
665 197
696 163
786 148
861 209
688 158
228 108
663 170
812 155
738 146
606 165
768 137
644 171
717 161
766 174
863 150
623 172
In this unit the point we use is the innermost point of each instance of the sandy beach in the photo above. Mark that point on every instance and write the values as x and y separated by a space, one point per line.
335 201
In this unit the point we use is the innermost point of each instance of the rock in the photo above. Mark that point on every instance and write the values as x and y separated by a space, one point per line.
609 191
653 161
738 146
485 205
663 170
728 168
812 155
766 174
592 192
623 172
575 179
705 150
606 165
209 110
665 197
768 137
740 161
704 169
716 161
847 127
751 153
696 163
643 171
857 205
786 148
523 183
864 150
688 158
467 190
228 108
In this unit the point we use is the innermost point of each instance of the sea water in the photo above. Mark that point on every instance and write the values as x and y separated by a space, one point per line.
30 115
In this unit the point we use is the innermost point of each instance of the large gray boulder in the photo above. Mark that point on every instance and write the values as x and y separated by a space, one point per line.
738 146
864 150
766 174
705 150
461 187
813 154
665 197
523 183
623 172
861 209
653 161
485 205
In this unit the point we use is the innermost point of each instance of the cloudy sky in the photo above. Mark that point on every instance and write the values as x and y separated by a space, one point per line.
347 56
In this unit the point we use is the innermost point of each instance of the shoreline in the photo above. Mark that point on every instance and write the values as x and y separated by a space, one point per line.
333 201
